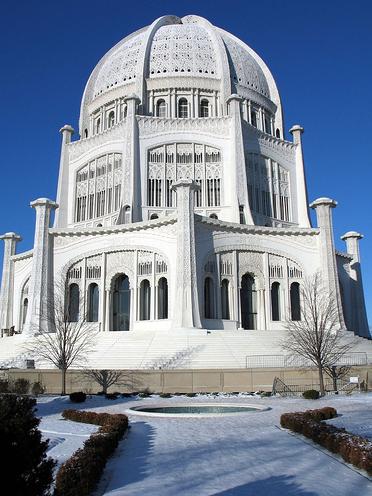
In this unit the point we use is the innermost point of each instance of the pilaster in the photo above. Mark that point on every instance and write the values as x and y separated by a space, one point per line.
323 208
186 309
131 195
301 189
63 193
7 280
40 314
358 308
238 169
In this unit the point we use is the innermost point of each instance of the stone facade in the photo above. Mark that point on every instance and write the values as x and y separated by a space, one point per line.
180 205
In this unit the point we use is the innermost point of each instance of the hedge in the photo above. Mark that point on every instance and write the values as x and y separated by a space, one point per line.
79 475
353 449
78 397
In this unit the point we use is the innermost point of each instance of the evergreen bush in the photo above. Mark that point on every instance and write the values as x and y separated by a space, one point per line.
37 388
311 394
111 396
78 397
25 468
4 386
21 386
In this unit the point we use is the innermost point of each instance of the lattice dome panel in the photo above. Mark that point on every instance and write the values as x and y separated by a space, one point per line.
245 71
121 67
183 49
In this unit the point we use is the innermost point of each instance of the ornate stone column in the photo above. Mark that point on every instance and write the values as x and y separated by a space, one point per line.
358 308
238 170
327 253
40 305
186 309
6 293
61 217
131 165
301 190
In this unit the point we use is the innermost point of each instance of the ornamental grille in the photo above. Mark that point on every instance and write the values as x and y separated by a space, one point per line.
276 271
294 272
144 268
93 272
98 187
268 187
170 163
74 273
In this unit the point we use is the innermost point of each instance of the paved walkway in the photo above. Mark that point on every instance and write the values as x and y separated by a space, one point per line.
232 455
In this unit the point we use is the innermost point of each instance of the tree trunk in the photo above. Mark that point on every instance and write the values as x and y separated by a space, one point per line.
321 380
63 371
335 383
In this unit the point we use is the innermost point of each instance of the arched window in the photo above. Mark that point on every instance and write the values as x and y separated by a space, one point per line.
73 303
241 214
275 301
225 303
85 133
127 214
204 108
208 298
248 302
163 298
111 119
267 125
277 133
161 108
213 216
98 126
295 301
154 216
93 302
183 108
24 311
121 304
253 118
145 300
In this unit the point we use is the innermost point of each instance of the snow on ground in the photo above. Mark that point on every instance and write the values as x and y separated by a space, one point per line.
225 455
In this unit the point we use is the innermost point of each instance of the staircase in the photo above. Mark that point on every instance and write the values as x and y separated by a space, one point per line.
176 349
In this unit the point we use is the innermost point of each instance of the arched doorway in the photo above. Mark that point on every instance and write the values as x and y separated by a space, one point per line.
209 298
145 300
225 304
163 298
295 301
275 301
121 304
93 302
248 302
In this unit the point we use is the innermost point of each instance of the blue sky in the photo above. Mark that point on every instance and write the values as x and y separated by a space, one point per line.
318 51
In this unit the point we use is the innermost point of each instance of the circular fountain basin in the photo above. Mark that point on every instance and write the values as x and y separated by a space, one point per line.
195 410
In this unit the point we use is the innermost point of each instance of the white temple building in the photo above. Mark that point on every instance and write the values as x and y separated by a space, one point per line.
180 207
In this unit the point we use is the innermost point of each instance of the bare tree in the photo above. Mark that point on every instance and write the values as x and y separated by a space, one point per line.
337 372
318 336
108 378
64 337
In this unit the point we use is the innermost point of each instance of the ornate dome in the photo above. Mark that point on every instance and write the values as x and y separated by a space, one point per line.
183 49
188 47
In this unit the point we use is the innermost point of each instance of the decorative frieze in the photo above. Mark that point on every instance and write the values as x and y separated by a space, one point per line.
151 126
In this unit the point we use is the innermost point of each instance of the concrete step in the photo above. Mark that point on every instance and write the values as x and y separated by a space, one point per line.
177 349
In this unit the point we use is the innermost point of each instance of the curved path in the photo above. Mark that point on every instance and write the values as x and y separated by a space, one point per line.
233 455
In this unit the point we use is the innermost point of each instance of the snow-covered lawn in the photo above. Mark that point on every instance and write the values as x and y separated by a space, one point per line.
228 455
